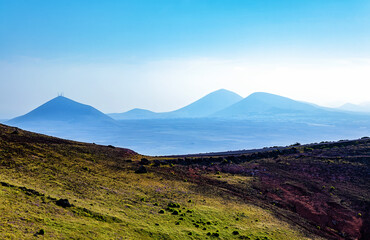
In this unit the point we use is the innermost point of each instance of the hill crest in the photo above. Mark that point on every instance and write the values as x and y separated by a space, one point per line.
262 103
203 107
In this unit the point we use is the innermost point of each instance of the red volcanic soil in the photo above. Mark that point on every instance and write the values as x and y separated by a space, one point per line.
324 188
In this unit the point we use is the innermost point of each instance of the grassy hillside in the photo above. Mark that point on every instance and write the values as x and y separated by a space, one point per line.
250 196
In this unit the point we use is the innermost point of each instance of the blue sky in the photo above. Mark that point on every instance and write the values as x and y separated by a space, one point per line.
112 53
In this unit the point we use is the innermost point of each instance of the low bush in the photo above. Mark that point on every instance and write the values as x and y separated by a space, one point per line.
173 205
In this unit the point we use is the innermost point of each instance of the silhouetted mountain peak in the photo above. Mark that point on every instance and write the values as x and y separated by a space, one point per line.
276 101
265 96
265 104
140 110
222 91
363 107
136 113
209 104
205 106
62 109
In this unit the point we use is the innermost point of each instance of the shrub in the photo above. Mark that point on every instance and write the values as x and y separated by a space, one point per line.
144 161
307 149
173 205
161 211
141 169
235 233
63 203
244 237
15 132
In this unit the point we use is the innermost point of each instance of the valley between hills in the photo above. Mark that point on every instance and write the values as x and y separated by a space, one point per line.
51 188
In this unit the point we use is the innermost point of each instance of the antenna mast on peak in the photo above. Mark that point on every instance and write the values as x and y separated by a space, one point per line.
60 94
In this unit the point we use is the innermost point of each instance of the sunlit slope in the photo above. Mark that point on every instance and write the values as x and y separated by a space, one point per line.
110 201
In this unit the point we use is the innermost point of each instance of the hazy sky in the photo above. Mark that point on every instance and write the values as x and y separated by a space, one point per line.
161 55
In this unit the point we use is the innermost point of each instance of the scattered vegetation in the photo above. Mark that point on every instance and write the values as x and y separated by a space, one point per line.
63 189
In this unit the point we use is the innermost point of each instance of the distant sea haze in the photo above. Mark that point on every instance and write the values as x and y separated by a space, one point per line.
220 121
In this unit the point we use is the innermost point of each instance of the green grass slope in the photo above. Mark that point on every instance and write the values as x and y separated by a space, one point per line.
108 200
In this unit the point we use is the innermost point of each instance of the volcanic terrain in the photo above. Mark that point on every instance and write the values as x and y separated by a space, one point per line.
55 188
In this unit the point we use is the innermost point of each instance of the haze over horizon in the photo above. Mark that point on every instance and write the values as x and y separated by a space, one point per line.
161 56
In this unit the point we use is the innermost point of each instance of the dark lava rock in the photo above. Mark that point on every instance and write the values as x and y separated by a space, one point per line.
63 203
141 169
